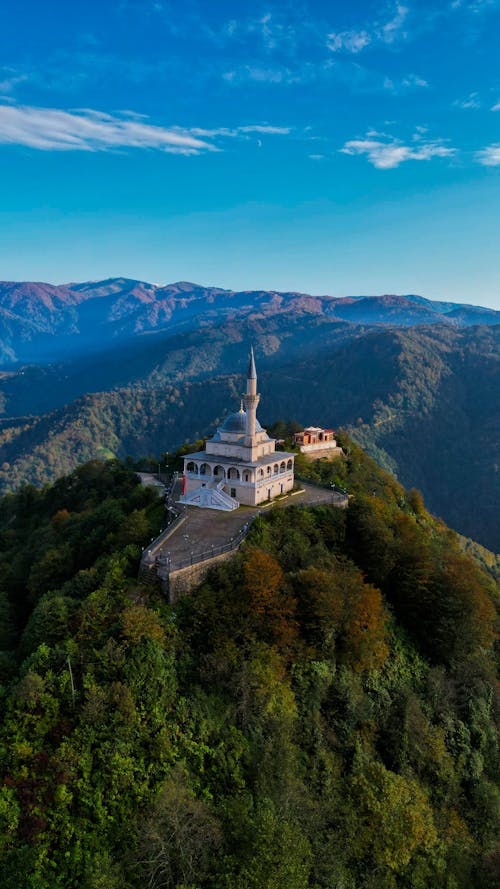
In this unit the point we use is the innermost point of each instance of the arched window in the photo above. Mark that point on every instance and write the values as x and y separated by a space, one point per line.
192 467
289 465
261 473
269 470
233 473
283 466
219 470
205 469
247 477
276 469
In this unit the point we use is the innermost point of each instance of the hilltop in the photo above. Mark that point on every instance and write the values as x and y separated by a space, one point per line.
318 712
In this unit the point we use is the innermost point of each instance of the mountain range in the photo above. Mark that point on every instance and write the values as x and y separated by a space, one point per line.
44 322
124 367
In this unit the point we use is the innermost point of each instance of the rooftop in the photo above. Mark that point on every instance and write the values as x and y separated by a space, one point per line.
275 457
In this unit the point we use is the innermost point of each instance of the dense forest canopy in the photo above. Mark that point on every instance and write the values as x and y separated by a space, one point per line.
317 714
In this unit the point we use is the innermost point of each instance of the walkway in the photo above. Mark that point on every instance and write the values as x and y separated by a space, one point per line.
204 530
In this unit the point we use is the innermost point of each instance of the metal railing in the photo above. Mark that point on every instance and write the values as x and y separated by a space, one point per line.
174 517
338 494
165 565
338 500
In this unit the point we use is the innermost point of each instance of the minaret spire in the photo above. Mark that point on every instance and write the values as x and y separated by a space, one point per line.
252 373
251 399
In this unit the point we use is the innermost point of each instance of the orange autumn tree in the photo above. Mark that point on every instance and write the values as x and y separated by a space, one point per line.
140 622
364 640
271 607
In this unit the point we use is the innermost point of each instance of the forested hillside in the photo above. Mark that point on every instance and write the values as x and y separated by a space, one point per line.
423 401
318 713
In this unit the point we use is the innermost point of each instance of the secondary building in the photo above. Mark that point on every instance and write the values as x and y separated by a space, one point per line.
314 438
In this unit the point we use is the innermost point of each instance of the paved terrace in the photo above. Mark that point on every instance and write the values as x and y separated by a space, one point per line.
202 530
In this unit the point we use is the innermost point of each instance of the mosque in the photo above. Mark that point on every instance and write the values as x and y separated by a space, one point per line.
240 464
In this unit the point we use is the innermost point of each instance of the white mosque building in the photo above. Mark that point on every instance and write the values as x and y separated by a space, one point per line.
240 464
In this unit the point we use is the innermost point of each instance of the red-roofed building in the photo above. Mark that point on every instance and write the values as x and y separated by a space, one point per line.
314 438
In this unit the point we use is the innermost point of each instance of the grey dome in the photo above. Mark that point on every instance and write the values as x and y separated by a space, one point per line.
235 422
238 423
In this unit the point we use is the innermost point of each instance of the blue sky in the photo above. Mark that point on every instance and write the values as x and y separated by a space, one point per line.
338 148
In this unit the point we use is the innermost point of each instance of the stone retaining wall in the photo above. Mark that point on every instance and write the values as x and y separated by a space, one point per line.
182 581
321 446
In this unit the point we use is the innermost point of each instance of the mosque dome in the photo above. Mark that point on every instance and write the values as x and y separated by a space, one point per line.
238 423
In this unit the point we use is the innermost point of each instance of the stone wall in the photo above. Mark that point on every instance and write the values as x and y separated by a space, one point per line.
182 581
320 446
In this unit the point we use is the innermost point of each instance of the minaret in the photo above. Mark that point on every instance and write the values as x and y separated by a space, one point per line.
251 400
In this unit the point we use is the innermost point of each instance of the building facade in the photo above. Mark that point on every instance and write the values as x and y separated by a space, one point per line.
240 464
314 438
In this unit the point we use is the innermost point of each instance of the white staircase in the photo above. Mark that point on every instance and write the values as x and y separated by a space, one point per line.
210 496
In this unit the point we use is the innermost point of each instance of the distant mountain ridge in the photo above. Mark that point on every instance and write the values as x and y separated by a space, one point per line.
42 322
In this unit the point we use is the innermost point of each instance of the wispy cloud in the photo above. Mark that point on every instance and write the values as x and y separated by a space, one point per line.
385 32
470 101
89 130
386 152
348 41
473 6
288 75
405 84
489 156
496 107
358 78
242 131
272 28
9 79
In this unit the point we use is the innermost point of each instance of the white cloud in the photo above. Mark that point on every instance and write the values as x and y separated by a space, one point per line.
349 41
273 29
496 107
474 6
265 128
386 32
274 33
489 156
90 130
277 74
390 153
261 129
394 28
406 84
357 77
9 79
470 101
